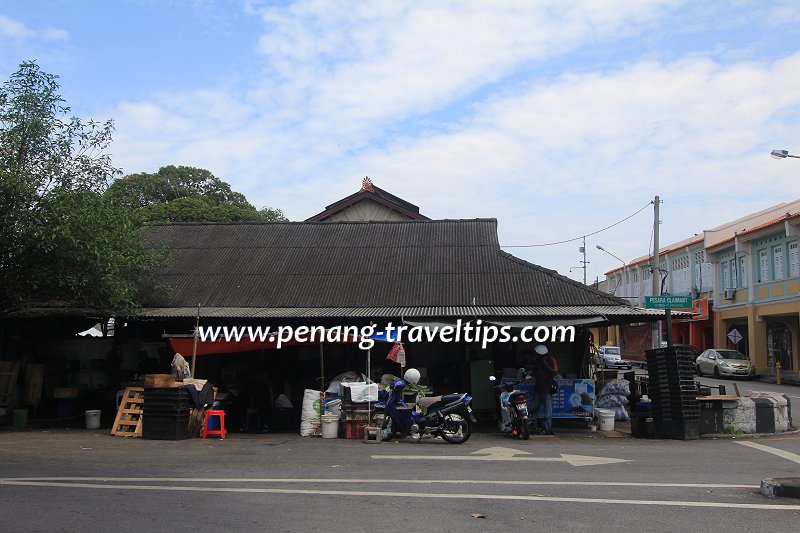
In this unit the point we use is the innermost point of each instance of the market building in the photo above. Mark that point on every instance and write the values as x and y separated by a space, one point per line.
328 274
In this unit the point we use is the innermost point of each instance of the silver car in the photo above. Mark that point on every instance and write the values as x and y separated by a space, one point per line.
723 362
612 358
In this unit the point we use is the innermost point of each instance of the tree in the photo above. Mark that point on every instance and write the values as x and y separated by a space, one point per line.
61 241
185 194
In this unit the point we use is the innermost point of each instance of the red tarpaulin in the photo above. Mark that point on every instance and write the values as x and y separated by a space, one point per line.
185 345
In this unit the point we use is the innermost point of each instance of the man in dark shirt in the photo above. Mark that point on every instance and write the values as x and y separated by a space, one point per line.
545 369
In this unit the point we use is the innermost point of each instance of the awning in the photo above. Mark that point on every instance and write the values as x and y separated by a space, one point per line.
549 322
435 313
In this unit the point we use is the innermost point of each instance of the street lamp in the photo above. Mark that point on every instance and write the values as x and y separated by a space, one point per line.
782 154
624 264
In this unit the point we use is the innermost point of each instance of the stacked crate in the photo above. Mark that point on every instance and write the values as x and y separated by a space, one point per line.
166 413
673 393
354 417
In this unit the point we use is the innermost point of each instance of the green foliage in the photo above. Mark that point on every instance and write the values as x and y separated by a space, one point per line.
61 241
732 430
185 194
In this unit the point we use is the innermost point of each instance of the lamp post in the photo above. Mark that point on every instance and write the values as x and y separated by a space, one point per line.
624 264
782 154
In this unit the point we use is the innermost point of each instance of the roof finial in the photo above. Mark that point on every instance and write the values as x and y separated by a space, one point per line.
366 185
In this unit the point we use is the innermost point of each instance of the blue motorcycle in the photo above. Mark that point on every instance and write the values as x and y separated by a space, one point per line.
448 416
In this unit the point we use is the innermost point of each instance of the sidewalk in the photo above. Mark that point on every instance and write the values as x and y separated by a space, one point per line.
787 378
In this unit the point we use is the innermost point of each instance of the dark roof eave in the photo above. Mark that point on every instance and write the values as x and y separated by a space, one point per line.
612 314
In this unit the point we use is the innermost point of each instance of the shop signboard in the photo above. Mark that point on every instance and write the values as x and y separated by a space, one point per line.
574 398
668 302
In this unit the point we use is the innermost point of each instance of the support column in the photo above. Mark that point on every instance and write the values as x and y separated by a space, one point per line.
721 331
757 339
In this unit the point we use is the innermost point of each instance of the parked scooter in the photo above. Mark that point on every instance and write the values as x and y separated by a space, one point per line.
514 403
449 416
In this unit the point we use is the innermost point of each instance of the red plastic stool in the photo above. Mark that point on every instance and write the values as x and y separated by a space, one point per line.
221 431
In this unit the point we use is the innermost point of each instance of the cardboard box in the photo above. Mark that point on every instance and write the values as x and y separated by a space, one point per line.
160 381
65 392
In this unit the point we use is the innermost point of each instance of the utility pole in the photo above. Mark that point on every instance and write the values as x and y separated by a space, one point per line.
656 272
583 249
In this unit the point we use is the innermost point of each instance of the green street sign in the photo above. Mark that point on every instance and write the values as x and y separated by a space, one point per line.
668 302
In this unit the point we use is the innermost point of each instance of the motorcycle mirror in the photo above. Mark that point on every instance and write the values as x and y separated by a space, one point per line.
492 378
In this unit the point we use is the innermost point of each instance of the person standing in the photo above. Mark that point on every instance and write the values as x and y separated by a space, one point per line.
545 368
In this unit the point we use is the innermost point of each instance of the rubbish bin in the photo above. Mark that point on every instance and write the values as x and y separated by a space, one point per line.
92 419
20 418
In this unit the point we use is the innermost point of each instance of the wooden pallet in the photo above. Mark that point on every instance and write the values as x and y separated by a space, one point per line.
129 415
8 382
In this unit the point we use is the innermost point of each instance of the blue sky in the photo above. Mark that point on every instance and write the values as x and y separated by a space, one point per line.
558 118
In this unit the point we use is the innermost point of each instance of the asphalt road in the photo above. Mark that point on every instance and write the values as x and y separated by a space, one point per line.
71 480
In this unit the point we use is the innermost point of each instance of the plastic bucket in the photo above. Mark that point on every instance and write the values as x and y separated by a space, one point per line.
334 407
20 418
605 418
330 426
93 419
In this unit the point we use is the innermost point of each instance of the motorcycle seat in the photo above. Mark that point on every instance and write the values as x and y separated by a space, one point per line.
425 402
432 402
447 398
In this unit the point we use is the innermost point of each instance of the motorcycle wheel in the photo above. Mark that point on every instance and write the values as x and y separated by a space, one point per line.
378 419
526 430
455 429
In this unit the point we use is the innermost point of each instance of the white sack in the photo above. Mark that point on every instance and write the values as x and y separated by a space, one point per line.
310 421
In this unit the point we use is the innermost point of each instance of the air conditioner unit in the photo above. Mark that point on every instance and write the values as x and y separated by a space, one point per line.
730 293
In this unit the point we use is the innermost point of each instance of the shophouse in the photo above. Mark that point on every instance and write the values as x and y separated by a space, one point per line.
744 277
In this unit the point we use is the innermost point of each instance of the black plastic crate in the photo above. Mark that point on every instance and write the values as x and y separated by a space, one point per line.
172 433
170 410
680 429
167 395
161 422
156 428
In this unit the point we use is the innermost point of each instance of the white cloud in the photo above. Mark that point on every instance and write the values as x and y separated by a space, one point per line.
452 107
365 64
14 29
17 30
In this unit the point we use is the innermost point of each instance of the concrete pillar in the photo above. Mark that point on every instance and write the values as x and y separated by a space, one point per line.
720 331
757 338
696 335
613 336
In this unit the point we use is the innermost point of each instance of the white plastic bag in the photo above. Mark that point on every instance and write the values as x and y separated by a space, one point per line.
361 392
310 421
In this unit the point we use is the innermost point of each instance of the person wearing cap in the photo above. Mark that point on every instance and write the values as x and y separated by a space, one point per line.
545 369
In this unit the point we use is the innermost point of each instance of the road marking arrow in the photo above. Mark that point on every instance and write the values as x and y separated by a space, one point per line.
769 449
509 454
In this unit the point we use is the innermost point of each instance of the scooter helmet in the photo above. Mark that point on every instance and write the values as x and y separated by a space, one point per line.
509 387
412 376
541 349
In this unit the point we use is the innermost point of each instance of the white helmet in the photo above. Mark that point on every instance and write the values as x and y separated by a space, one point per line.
541 349
412 376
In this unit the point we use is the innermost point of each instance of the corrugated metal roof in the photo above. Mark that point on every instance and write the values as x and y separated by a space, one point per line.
357 265
405 312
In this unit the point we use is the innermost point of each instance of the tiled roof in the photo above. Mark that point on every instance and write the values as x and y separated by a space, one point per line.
725 233
746 232
442 267
376 194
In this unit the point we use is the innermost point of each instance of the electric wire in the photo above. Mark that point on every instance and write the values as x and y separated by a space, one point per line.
582 236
